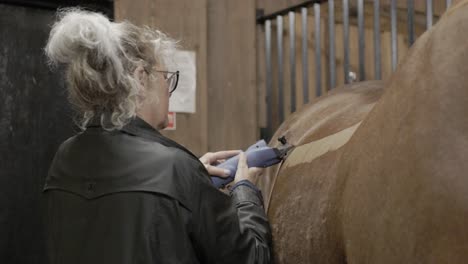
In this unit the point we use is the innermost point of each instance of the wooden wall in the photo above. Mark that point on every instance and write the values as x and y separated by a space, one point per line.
232 92
222 33
269 6
184 20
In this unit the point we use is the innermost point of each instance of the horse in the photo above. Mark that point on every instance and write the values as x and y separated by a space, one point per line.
405 198
384 180
301 196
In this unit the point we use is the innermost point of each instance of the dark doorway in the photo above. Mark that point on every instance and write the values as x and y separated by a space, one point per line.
34 119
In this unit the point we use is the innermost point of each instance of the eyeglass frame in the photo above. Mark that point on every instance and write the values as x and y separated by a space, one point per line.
176 74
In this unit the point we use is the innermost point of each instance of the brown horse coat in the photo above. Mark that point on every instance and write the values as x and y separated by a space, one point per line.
306 195
406 169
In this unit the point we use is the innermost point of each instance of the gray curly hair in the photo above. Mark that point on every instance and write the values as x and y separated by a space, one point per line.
100 57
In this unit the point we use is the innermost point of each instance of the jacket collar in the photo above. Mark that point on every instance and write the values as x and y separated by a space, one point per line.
140 128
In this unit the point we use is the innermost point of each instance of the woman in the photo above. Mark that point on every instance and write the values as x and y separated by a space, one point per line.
119 191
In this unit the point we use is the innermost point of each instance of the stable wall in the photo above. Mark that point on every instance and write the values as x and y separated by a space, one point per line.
222 33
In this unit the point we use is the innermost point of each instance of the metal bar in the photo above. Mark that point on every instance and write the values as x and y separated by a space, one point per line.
377 49
286 11
411 22
393 11
305 66
429 11
331 29
268 75
448 3
292 59
346 39
362 59
279 26
318 52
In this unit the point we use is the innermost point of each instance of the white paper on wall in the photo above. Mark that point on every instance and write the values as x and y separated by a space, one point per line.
183 98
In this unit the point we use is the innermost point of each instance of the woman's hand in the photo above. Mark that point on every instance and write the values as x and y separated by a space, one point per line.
211 159
246 173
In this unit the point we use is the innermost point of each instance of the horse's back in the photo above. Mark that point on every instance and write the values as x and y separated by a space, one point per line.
304 202
406 194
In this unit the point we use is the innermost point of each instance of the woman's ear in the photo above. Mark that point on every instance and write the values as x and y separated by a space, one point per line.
140 75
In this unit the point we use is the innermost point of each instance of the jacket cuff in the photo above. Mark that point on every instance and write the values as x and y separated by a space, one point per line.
245 191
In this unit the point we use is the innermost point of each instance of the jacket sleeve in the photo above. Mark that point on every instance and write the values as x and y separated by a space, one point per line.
227 229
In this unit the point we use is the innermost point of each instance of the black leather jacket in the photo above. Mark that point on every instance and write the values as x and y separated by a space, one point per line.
134 196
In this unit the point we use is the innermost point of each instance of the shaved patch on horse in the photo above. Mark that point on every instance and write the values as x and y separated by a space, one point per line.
315 149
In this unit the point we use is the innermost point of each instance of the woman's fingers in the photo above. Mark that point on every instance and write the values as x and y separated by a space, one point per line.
242 169
243 172
212 157
254 173
242 164
225 154
214 171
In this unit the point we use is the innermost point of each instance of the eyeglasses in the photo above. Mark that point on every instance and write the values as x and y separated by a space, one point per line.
172 79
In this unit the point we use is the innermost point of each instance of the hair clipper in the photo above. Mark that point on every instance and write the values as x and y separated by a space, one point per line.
257 155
